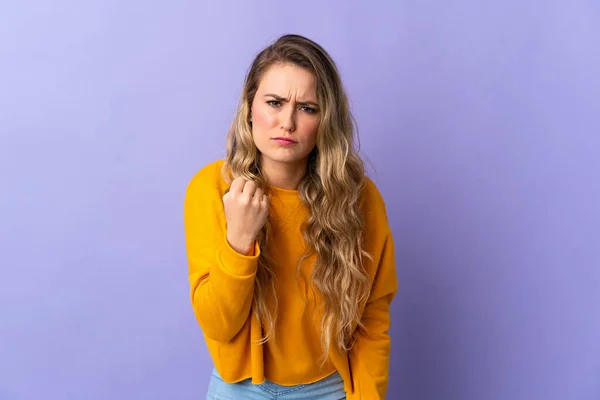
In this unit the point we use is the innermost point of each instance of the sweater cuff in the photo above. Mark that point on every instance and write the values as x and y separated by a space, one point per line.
237 264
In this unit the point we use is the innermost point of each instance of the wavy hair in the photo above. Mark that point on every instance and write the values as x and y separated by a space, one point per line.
330 189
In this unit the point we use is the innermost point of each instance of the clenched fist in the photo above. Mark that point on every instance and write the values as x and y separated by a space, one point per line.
246 210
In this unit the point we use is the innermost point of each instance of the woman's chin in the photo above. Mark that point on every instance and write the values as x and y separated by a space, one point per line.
287 157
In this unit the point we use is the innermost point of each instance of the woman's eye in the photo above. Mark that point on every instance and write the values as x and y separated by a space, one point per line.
273 103
309 110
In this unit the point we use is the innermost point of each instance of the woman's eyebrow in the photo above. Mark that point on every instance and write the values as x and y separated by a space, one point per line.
283 99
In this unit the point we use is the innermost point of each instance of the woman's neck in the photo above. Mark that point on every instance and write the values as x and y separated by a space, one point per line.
284 175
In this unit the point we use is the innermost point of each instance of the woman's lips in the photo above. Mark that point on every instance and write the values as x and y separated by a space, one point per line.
284 141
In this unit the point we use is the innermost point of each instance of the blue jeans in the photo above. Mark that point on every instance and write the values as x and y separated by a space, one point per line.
328 388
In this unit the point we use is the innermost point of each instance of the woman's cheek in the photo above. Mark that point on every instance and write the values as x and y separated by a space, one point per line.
314 128
263 118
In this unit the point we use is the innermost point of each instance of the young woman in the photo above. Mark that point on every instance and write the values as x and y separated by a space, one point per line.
291 258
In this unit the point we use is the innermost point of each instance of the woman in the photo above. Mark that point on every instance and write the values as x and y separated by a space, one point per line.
291 258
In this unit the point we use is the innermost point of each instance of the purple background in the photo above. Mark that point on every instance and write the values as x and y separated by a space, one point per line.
482 123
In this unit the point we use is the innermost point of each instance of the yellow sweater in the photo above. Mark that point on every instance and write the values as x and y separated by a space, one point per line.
222 283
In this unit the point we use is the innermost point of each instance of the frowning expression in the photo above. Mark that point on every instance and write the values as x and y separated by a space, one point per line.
285 114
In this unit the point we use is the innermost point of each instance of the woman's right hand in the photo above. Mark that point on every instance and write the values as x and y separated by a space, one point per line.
246 210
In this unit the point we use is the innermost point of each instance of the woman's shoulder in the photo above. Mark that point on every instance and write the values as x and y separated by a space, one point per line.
371 196
208 179
373 205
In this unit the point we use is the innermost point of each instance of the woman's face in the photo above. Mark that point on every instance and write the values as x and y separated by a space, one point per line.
285 115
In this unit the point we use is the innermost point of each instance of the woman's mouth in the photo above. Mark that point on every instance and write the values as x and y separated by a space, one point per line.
284 141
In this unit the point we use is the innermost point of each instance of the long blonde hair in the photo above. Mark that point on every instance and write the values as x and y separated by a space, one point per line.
330 189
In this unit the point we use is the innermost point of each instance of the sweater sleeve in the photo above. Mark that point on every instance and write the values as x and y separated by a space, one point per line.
370 355
221 279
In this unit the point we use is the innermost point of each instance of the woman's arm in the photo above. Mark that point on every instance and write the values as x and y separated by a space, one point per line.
370 355
221 279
